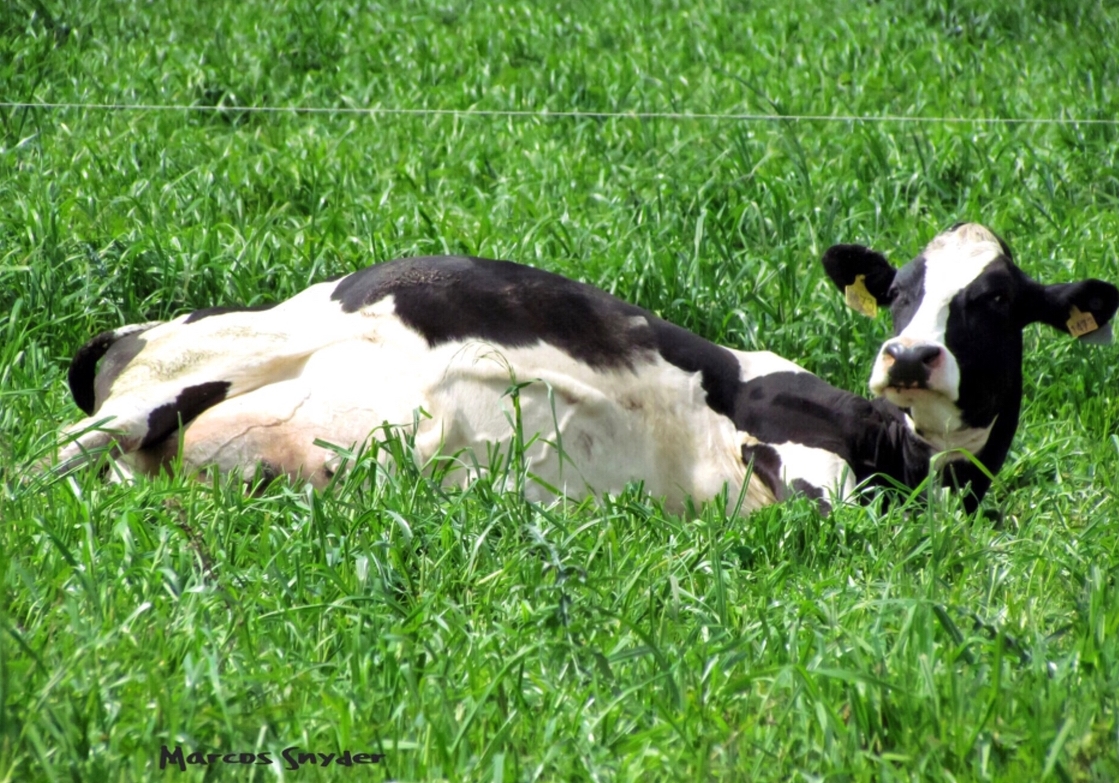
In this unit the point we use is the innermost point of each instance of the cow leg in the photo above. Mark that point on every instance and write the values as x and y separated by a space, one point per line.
265 432
346 393
817 473
186 367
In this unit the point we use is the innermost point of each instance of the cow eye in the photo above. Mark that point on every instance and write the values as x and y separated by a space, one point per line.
995 303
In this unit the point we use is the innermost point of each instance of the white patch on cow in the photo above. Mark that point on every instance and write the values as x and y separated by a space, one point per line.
755 364
953 444
929 411
382 307
818 467
953 260
124 331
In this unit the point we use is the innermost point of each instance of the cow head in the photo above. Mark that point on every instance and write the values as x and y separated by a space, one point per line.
955 360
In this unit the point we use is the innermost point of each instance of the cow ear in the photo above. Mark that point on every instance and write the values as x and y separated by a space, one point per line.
1083 309
845 264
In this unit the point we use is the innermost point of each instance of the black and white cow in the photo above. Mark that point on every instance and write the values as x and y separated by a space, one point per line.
615 393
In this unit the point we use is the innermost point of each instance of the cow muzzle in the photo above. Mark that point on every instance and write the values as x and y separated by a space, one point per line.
905 366
911 367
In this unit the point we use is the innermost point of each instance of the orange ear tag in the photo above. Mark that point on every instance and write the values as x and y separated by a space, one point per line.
859 299
1080 324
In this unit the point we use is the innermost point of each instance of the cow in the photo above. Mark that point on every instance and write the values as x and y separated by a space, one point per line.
461 354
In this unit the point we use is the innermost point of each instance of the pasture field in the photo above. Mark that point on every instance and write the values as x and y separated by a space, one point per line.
469 635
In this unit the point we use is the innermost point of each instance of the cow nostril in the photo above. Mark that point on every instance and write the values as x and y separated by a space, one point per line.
894 350
928 355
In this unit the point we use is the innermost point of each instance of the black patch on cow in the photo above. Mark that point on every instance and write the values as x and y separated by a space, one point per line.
191 401
985 337
808 490
450 298
984 334
266 473
812 492
871 436
720 370
83 369
767 467
206 312
89 385
906 293
798 407
453 298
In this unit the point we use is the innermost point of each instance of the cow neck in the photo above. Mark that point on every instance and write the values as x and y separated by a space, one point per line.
958 470
972 439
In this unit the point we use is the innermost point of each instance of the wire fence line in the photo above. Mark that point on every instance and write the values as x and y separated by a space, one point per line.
374 111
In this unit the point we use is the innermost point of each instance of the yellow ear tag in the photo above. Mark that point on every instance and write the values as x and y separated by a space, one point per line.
1080 324
859 299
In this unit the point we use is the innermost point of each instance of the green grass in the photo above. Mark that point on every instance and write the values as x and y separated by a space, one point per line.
469 635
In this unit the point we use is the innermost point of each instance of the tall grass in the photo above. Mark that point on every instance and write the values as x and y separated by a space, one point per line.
471 635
